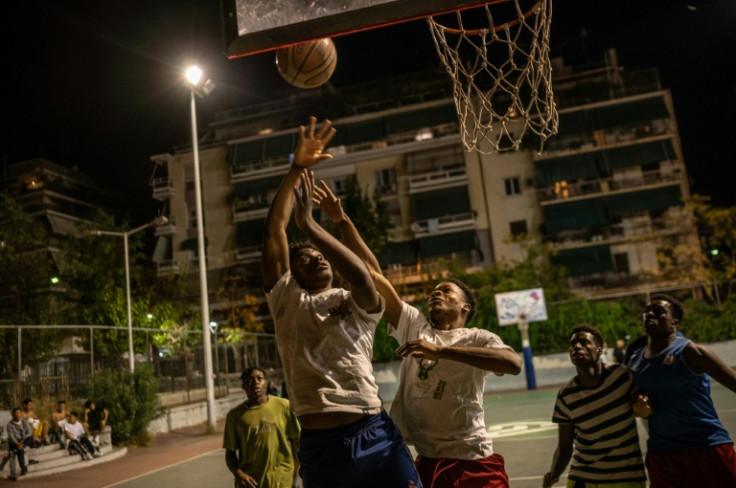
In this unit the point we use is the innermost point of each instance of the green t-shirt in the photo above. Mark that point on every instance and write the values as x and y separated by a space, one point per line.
260 435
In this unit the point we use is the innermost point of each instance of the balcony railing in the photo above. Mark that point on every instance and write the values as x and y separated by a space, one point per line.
249 210
167 266
259 169
428 181
167 229
566 191
456 222
622 232
248 254
163 188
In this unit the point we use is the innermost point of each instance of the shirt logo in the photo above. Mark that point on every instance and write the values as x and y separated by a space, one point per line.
343 310
440 390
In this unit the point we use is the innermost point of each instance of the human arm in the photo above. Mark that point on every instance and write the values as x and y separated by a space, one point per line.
502 360
275 258
241 477
702 360
337 254
294 450
563 453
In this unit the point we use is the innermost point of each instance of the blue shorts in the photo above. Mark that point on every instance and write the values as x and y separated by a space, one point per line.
368 453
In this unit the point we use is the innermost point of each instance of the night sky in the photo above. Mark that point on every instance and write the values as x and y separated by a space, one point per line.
98 84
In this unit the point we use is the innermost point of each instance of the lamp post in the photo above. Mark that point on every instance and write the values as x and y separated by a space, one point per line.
158 221
200 87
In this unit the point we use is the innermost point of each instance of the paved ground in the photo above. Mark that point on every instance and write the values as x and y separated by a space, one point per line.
520 421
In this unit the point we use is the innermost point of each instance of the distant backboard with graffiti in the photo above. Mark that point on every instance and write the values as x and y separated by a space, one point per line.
511 305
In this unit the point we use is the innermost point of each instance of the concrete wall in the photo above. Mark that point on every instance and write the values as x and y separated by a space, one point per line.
550 370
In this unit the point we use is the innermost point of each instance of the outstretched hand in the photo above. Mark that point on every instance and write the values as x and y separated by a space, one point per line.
304 196
311 146
549 480
328 202
419 349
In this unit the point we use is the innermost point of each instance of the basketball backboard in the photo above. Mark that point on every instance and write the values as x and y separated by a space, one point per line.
254 26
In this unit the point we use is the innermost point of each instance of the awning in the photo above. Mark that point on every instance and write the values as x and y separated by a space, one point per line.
574 215
656 200
569 168
445 244
637 155
162 252
585 261
192 244
399 253
250 233
429 117
360 132
438 203
247 189
609 116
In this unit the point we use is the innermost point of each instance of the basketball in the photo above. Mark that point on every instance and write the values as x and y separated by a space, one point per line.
309 64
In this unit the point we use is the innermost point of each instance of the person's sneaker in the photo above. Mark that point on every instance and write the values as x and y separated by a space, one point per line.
33 461
23 471
96 440
12 478
96 454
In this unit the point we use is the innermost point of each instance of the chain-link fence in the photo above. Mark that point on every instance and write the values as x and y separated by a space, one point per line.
180 369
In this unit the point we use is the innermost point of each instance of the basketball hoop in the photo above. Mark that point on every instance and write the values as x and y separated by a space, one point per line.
502 76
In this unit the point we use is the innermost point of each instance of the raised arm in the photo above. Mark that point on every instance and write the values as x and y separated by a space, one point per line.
562 456
342 259
703 360
275 258
333 210
502 360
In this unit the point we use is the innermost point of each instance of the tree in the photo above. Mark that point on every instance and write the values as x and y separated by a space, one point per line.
26 297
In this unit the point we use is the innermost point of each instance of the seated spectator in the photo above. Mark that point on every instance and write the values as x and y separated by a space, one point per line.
95 420
78 441
20 436
40 427
58 417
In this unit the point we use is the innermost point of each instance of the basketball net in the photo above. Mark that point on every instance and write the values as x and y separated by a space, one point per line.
502 76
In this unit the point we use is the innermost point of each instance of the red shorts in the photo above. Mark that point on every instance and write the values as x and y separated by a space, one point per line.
707 466
453 473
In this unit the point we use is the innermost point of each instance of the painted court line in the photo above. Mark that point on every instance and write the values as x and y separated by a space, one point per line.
162 468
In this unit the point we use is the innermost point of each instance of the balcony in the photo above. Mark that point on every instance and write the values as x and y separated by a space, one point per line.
620 233
250 254
259 169
163 188
168 266
167 229
444 224
251 209
562 192
438 179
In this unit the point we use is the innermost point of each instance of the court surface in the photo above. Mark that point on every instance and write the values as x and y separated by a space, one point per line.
520 421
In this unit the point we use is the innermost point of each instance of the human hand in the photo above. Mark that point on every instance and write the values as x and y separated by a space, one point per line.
311 146
328 202
641 406
297 483
245 480
304 196
550 479
419 349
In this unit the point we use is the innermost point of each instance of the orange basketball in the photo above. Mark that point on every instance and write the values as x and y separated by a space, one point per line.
309 64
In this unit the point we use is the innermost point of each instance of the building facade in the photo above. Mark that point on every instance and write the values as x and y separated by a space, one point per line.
606 193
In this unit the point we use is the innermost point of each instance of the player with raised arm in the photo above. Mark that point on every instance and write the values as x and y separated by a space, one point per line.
325 340
439 403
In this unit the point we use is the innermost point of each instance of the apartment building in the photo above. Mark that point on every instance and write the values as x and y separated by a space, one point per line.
604 192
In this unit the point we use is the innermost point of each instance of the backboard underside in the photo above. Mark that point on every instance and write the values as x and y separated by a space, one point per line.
254 26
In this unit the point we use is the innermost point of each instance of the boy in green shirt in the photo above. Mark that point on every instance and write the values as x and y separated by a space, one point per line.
261 437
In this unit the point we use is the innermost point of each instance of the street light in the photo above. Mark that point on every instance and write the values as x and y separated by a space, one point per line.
201 88
157 222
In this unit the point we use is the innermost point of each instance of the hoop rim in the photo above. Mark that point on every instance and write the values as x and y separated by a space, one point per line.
476 32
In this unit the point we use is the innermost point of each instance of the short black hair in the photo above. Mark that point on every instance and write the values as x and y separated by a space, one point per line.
249 371
588 328
469 298
678 311
26 401
16 409
88 403
60 402
74 413
297 246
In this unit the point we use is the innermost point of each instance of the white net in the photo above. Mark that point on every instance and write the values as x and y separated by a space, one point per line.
501 72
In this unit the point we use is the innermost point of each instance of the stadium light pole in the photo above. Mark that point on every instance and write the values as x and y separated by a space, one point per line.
200 86
158 221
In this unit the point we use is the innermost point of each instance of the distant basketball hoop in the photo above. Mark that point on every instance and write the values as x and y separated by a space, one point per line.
498 58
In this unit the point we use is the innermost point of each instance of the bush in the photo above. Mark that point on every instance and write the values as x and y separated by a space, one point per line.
130 398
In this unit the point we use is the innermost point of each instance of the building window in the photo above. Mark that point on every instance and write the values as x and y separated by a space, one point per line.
621 262
385 181
518 227
512 186
192 218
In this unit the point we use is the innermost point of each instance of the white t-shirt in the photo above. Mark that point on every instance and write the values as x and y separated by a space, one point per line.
76 430
442 413
326 344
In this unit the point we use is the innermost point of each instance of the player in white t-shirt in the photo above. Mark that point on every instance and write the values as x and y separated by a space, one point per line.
439 403
325 340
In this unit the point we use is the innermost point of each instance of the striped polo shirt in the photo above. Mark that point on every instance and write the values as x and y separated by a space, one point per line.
606 445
